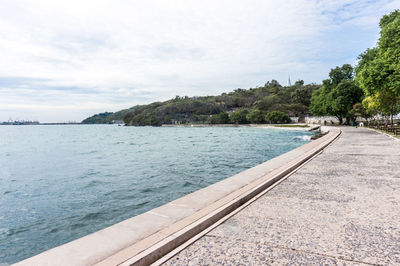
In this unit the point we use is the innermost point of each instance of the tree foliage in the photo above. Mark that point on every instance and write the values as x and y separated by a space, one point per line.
239 117
277 117
337 95
256 117
359 110
98 118
378 69
223 118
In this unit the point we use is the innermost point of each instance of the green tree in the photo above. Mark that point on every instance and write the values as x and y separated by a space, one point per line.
203 118
273 84
302 94
268 102
337 95
359 110
381 103
378 69
239 117
223 118
367 71
256 117
297 109
343 97
370 105
276 117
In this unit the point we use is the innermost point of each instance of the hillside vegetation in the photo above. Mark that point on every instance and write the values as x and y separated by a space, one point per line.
240 106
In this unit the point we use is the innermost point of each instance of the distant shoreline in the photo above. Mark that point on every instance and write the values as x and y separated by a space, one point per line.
40 124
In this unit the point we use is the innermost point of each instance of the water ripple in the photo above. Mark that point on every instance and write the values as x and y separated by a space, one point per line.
73 180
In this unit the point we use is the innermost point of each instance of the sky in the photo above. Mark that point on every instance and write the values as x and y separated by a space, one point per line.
66 60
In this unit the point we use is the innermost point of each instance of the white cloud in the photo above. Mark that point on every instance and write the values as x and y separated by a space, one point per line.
116 54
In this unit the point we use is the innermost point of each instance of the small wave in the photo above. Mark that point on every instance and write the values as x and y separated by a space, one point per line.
54 230
187 184
92 216
142 204
303 138
94 183
146 190
88 152
77 226
92 173
12 232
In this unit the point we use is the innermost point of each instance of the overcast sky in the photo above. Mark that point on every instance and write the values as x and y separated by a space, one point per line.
65 60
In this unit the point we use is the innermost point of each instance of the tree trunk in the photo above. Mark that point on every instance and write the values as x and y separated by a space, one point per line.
391 117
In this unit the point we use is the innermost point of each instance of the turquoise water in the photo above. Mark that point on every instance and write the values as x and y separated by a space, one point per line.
59 183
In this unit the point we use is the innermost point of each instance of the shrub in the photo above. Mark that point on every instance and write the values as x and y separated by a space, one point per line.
255 117
277 117
239 117
223 118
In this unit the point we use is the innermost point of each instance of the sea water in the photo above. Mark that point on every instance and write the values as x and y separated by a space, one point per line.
59 183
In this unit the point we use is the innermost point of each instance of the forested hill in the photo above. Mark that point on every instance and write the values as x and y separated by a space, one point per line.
239 106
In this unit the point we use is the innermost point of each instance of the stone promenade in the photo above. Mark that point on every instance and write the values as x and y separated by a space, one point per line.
342 207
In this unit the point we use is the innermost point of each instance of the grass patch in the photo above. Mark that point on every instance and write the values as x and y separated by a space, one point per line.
291 126
389 133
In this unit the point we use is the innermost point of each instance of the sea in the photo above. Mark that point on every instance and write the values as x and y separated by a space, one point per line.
62 182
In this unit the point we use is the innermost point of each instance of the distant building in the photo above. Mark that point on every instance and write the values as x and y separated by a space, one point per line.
289 83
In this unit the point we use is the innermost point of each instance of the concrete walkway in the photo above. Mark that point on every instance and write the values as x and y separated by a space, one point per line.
343 207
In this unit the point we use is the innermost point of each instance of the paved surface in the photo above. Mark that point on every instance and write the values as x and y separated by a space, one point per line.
343 207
